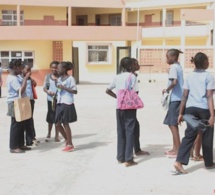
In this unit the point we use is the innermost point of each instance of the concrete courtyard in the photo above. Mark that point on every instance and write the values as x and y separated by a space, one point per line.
92 167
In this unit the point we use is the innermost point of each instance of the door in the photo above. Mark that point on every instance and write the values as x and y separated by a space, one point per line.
81 20
121 53
148 20
75 60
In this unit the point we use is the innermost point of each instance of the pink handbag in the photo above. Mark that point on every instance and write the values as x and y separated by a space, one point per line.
128 99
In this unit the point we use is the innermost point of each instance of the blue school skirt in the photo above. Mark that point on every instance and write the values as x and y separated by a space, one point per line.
65 113
171 118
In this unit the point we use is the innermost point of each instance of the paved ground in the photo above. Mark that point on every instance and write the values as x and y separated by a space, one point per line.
92 167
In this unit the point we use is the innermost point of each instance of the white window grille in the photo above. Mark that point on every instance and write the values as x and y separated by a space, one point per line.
169 18
9 18
98 53
7 56
115 20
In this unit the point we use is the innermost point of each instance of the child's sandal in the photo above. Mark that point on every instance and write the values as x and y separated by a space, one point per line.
198 158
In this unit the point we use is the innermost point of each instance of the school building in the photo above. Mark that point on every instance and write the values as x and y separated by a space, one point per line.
96 34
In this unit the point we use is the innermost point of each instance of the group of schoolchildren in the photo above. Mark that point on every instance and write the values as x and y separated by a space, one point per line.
194 96
58 84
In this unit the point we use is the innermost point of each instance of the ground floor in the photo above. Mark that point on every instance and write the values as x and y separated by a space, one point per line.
95 62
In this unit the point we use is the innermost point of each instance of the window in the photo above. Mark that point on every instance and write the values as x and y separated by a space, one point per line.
169 18
9 18
98 53
115 20
7 56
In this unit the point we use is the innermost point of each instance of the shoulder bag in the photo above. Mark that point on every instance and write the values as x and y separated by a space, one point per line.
128 99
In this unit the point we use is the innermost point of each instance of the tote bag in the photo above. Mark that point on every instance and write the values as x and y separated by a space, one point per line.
22 108
128 99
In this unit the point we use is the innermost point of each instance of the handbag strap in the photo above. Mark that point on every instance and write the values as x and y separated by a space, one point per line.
19 92
128 81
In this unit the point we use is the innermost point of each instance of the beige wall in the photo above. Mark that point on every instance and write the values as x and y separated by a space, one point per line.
42 51
67 50
32 13
65 3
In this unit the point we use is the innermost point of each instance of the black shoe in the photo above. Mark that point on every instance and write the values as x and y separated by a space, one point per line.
211 167
130 163
17 151
25 148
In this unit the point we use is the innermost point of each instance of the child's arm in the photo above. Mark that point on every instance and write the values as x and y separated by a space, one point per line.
111 93
172 85
70 90
182 105
24 82
210 106
34 83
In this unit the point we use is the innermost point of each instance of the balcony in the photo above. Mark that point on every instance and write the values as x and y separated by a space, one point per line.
75 33
176 31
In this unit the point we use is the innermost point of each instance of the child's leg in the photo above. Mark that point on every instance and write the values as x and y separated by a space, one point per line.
60 129
15 128
136 137
176 138
29 132
49 130
198 144
21 134
14 134
68 134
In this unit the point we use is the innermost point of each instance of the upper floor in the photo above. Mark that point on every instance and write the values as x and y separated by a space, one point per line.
121 19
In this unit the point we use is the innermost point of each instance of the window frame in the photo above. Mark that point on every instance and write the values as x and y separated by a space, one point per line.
22 57
109 54
115 16
13 20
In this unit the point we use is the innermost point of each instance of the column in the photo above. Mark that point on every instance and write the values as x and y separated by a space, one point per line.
18 15
182 57
69 16
164 25
123 17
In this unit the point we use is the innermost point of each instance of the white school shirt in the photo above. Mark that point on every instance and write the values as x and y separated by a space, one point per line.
28 90
13 86
63 96
52 86
121 82
176 72
198 82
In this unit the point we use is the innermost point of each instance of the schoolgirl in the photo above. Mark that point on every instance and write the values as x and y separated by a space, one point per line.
137 149
65 110
126 119
175 83
29 124
50 88
13 86
197 100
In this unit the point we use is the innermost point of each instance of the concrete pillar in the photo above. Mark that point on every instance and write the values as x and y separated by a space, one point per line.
18 15
182 57
123 16
164 25
69 16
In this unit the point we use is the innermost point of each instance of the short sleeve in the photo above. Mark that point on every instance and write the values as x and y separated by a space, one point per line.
73 83
112 85
186 85
134 84
173 72
45 82
210 82
15 84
